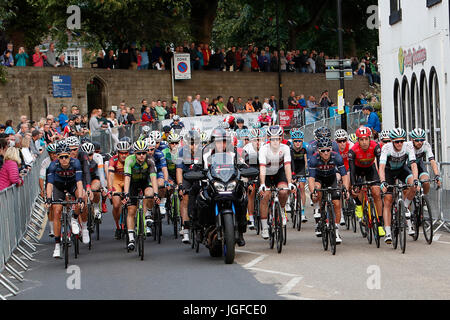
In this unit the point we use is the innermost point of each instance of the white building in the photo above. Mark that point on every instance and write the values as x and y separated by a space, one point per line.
414 64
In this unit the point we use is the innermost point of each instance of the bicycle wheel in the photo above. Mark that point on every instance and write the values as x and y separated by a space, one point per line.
332 228
278 227
97 229
365 226
175 214
298 210
395 226
159 227
141 234
271 231
353 220
75 246
415 217
375 223
65 239
324 230
89 225
257 216
426 217
402 228
192 234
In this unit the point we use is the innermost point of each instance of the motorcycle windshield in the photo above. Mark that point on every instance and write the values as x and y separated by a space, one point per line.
222 166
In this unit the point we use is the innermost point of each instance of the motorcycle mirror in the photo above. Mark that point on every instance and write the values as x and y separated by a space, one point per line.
249 172
194 175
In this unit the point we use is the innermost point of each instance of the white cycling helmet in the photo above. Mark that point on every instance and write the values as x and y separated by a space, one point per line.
156 135
384 135
173 137
176 118
88 148
151 142
340 134
275 131
140 145
123 146
146 129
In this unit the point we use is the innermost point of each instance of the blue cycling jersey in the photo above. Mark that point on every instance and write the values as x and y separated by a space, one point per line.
163 145
312 148
64 178
318 168
160 160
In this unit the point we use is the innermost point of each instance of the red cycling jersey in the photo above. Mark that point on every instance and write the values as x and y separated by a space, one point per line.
117 165
344 154
365 159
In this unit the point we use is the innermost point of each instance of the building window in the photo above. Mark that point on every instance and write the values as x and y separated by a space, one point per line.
405 121
435 115
397 103
73 58
431 3
415 103
396 12
424 104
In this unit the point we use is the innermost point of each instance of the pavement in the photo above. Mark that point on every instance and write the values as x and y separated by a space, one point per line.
303 270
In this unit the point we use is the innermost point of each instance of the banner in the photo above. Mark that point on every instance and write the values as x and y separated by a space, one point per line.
62 86
208 123
182 66
290 118
341 102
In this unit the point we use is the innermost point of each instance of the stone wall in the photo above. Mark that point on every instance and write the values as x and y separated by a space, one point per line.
29 90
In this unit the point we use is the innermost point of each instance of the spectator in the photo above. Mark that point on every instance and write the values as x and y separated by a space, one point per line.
267 106
3 148
70 130
238 59
257 105
24 129
311 103
144 105
362 72
311 64
94 123
355 65
2 129
9 129
303 59
274 62
144 59
195 60
62 61
325 100
55 130
122 119
9 48
124 59
188 108
374 71
206 54
34 148
201 61
48 136
111 60
160 110
197 106
246 61
263 62
221 105
230 59
212 108
239 105
51 56
230 105
173 109
320 63
249 106
373 122
159 65
74 110
302 102
167 108
133 54
4 59
273 103
63 118
292 101
21 58
146 116
254 62
283 62
205 104
156 52
101 60
26 151
9 173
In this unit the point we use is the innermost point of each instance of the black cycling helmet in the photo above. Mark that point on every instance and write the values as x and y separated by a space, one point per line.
62 148
322 132
84 140
167 129
239 120
218 134
324 143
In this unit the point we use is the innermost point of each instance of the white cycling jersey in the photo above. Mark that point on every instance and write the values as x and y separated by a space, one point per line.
252 154
44 165
100 172
273 161
395 160
425 153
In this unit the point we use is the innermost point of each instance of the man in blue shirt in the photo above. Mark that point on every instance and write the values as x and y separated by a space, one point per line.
373 121
63 119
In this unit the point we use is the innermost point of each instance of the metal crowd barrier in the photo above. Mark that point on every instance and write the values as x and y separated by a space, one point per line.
440 199
20 221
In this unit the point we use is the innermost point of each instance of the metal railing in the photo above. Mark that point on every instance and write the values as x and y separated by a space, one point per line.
440 199
19 218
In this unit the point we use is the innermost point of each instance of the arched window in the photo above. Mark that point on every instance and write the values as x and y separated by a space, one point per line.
415 103
425 104
397 103
405 106
435 114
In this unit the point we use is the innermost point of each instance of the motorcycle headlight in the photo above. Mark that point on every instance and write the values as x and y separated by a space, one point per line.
231 186
219 186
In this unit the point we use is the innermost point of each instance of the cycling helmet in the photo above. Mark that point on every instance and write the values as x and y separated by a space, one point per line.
322 132
156 135
257 125
297 134
244 133
51 147
84 140
397 133
353 138
417 134
264 111
146 129
173 137
123 146
384 135
140 145
239 120
275 131
176 118
73 141
230 120
167 129
62 148
363 132
254 134
87 147
340 134
263 132
151 142
324 143
204 137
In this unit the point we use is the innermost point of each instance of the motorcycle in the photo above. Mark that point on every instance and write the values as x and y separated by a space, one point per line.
221 191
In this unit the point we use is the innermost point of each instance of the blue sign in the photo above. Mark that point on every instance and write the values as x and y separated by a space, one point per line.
62 86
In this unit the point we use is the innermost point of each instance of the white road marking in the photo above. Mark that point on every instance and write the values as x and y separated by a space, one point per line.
288 286
291 297
443 242
436 236
275 272
255 261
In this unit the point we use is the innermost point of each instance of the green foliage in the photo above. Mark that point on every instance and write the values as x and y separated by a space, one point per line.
3 74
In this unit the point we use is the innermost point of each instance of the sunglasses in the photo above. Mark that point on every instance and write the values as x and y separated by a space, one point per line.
341 141
398 141
419 140
63 157
151 149
386 141
324 150
74 149
126 152
298 141
174 143
141 153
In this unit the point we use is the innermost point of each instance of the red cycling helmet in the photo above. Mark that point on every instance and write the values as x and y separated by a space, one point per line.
363 132
229 119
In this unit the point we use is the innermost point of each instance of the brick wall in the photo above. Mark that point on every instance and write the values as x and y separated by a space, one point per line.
29 90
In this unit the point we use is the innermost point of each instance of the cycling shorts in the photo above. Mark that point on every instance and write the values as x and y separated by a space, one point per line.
402 174
118 182
276 179
331 181
135 187
59 195
370 173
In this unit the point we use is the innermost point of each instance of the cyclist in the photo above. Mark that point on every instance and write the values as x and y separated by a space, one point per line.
189 158
64 175
251 158
116 180
384 138
264 118
341 138
144 133
275 171
74 145
394 165
204 138
97 175
52 156
353 138
161 168
299 164
364 158
322 132
323 168
105 158
176 123
140 174
423 152
167 130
